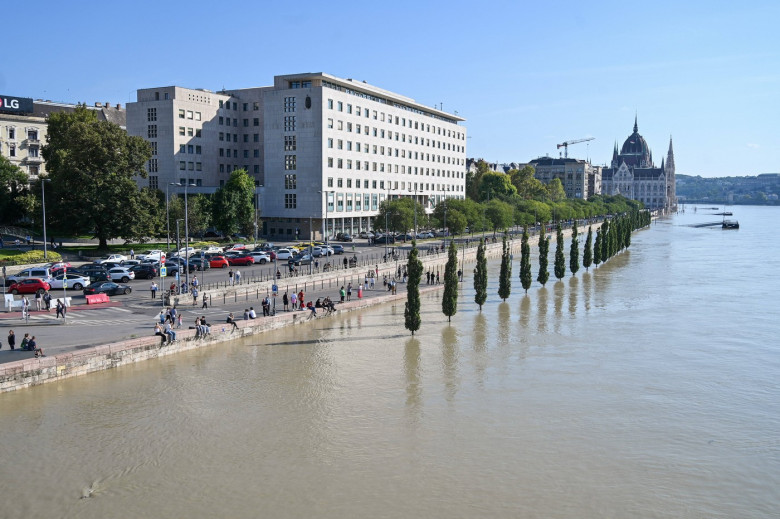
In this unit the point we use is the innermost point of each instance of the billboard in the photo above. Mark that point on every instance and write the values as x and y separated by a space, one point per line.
16 105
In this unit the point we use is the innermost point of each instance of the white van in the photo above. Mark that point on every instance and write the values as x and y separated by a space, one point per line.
32 272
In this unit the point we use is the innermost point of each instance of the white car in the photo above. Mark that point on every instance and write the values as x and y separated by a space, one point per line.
212 250
183 252
130 263
260 257
121 274
366 234
75 281
424 235
284 254
112 258
155 254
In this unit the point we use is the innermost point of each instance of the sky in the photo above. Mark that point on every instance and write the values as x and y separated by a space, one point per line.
525 75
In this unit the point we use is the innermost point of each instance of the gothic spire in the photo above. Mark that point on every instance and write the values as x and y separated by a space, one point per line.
636 127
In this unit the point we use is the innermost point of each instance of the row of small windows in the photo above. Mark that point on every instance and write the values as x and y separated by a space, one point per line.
399 152
245 106
402 137
226 152
192 166
300 84
188 148
226 121
223 168
227 136
393 185
392 168
188 114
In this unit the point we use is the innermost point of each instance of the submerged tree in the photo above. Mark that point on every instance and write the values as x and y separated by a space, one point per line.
560 259
449 302
505 277
544 251
574 251
480 276
414 267
597 249
587 256
525 262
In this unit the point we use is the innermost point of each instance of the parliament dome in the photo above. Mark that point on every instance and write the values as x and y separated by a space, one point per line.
635 151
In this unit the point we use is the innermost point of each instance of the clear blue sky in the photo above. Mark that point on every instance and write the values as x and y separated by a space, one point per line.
525 75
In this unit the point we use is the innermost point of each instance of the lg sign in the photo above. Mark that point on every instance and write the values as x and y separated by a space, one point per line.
16 104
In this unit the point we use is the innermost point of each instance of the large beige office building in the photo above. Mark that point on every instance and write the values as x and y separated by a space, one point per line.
318 147
580 179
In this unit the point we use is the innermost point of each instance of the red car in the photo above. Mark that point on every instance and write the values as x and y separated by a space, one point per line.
218 262
29 286
242 261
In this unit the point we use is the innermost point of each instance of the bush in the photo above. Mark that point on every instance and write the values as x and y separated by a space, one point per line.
30 257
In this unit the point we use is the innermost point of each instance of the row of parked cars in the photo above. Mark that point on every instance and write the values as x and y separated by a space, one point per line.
90 279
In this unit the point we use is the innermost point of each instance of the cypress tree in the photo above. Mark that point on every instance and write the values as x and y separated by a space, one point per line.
629 230
505 277
525 262
587 256
414 267
604 241
597 249
560 259
544 250
449 302
480 276
574 251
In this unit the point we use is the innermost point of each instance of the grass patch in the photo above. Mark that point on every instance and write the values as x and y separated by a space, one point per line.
19 257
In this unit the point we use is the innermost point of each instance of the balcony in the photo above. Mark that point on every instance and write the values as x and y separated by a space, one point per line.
30 159
33 139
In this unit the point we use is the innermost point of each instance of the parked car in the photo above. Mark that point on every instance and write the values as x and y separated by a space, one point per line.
154 254
387 238
34 272
424 235
75 281
199 264
172 268
241 260
115 258
441 234
318 252
237 246
212 250
93 272
366 234
29 286
300 259
107 287
128 264
144 271
266 247
260 257
343 236
284 254
121 274
218 262
337 249
58 267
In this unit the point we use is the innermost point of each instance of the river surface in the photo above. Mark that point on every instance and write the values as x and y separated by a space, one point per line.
645 388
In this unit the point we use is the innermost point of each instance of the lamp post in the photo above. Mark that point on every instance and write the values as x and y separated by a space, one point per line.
186 233
325 224
256 228
43 203
167 221
387 210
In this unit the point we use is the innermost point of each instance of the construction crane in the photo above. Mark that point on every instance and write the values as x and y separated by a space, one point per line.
565 145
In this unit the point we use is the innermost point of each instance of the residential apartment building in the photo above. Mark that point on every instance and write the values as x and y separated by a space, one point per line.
580 178
24 126
319 147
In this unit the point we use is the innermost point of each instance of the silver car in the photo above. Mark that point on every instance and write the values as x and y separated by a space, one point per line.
75 281
121 274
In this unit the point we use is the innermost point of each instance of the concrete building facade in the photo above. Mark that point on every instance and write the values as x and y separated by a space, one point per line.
24 126
580 178
307 139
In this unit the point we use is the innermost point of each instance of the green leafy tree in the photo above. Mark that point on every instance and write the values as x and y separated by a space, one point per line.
499 214
233 207
605 241
495 185
449 302
528 187
13 186
414 267
525 262
587 256
473 180
560 259
544 251
400 214
555 191
93 167
480 276
597 248
505 276
574 251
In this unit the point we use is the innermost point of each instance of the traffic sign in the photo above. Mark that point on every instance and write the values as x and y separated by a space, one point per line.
64 283
163 272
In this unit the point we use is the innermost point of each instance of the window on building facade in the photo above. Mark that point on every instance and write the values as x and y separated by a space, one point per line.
151 114
330 181
152 166
182 165
290 162
255 106
182 148
198 166
154 182
181 113
290 143
12 150
32 151
290 181
11 133
290 201
289 104
289 123
246 123
190 115
151 131
330 123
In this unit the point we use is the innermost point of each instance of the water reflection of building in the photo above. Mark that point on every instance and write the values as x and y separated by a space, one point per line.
633 174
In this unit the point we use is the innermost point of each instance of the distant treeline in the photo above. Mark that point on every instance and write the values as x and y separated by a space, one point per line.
758 190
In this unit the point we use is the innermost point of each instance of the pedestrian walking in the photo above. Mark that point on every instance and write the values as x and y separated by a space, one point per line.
237 277
342 293
293 300
301 300
132 254
285 302
205 301
178 321
230 275
38 301
172 315
346 262
162 317
194 296
153 290
372 283
437 277
59 310
11 340
376 270
349 291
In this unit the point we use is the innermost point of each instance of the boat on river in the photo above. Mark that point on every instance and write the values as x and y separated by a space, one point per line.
730 224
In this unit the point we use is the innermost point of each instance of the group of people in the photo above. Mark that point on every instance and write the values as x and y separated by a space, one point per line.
296 301
165 328
28 344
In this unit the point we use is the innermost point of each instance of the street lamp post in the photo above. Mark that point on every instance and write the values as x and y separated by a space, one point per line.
256 228
186 234
387 210
43 203
325 226
167 221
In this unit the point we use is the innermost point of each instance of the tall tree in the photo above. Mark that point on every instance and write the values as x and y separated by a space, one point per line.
414 267
525 262
587 256
449 301
13 186
597 248
233 207
505 276
92 165
574 251
480 276
560 259
499 215
544 251
604 241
